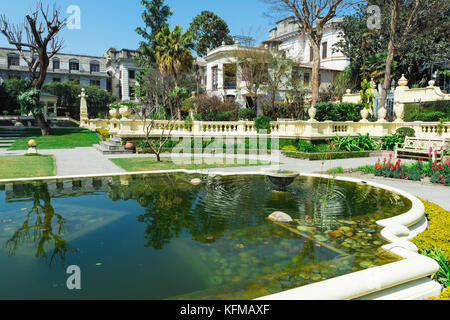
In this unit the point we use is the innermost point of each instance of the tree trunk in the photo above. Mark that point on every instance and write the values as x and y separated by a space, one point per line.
315 85
390 55
46 130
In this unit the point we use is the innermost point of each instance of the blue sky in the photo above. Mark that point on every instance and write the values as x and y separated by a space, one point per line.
111 23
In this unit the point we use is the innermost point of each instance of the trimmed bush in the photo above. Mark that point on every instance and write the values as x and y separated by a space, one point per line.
263 123
406 132
247 114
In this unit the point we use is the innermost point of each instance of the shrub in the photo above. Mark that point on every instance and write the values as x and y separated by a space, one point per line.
359 143
405 132
306 146
389 142
263 123
188 104
443 296
433 116
326 155
438 233
289 148
225 116
208 108
104 134
338 112
247 114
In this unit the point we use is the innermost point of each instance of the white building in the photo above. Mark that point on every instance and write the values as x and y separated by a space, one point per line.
224 81
114 72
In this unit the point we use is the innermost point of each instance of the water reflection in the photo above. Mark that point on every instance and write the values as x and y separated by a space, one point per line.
42 226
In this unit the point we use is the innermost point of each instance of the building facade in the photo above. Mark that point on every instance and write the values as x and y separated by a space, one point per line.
222 73
113 72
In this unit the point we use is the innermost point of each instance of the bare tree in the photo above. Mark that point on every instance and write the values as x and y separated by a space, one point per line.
36 41
397 39
312 16
154 92
252 67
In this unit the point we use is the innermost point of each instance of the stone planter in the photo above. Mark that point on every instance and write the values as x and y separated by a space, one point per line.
114 113
125 112
364 115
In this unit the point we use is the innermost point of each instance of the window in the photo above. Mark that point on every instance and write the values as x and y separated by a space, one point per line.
74 65
306 78
229 76
311 54
95 83
14 77
324 50
230 98
56 64
131 74
95 66
56 79
13 60
215 78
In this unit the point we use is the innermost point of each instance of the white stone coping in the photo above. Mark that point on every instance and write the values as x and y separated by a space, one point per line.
354 285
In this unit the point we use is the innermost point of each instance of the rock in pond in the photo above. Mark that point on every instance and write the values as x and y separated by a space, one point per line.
196 182
280 217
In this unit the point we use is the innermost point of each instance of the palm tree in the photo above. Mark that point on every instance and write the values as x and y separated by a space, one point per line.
173 54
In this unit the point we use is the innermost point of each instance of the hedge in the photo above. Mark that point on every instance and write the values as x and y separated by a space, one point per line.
326 155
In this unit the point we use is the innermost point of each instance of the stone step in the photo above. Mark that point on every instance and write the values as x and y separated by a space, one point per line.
106 151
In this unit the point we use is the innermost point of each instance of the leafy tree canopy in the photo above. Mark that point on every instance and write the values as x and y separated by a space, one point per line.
209 31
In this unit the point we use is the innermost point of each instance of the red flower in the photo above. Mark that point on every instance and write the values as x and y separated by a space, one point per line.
400 176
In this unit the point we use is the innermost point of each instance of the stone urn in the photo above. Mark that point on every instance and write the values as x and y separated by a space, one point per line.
114 113
125 112
364 114
312 112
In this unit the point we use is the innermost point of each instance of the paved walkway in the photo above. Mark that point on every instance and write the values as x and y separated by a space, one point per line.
83 161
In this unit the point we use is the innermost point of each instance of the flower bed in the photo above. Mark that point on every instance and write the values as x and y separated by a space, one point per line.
438 172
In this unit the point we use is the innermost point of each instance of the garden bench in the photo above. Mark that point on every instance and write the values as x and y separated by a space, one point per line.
420 148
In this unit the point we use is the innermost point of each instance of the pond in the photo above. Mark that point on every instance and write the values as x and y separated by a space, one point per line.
161 237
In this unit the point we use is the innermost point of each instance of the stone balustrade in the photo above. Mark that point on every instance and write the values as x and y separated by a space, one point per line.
309 130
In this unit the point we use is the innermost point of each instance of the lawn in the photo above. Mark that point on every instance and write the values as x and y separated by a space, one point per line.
13 167
62 139
151 164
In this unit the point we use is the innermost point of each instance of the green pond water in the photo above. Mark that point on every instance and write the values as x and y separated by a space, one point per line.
160 237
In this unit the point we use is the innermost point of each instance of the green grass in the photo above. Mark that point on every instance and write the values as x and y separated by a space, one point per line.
14 167
151 164
337 170
61 139
367 169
